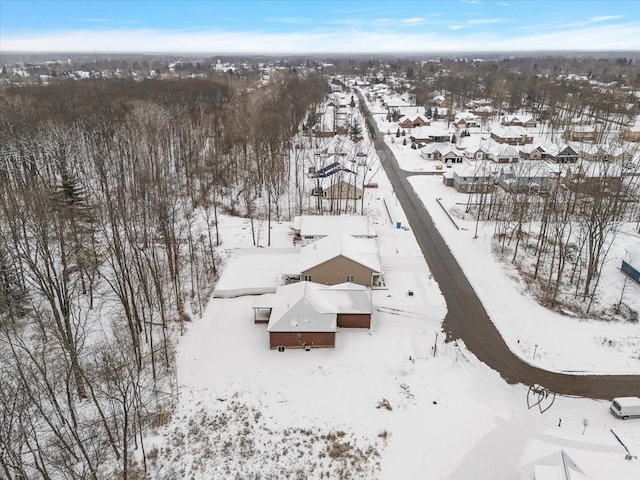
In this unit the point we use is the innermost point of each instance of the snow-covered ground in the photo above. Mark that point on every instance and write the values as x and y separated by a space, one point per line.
564 343
364 409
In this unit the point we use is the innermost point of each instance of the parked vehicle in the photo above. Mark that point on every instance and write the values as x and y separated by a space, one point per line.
625 407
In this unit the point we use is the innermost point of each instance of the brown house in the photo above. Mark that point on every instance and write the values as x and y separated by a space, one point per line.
308 315
511 135
411 122
582 133
631 134
337 259
342 190
532 152
518 121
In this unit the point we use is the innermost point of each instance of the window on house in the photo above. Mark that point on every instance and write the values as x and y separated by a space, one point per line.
307 278
299 336
350 278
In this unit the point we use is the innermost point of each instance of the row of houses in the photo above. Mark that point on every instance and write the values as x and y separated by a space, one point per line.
466 119
498 153
535 175
480 109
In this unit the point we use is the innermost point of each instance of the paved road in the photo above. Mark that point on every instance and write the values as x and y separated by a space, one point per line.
466 318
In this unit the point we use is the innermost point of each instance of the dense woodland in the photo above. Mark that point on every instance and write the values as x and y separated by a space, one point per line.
109 195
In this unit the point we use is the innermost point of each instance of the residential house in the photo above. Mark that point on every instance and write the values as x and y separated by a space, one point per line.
441 99
337 259
430 134
476 152
466 119
331 260
561 154
631 134
604 153
474 178
511 135
484 111
445 153
413 121
526 121
393 102
582 133
440 113
342 190
308 315
532 152
500 153
479 102
533 175
595 178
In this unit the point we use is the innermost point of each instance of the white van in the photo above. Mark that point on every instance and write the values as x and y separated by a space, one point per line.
625 407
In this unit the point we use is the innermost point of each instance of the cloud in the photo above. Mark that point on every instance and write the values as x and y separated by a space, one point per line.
355 39
412 21
504 4
484 21
604 18
91 20
292 20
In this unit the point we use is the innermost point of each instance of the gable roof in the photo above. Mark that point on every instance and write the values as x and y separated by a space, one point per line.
360 250
509 132
518 118
557 466
311 307
299 308
480 169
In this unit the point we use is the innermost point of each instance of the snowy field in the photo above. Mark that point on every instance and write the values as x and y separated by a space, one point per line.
364 410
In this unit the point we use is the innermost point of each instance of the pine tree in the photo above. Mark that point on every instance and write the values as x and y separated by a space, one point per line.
12 292
355 134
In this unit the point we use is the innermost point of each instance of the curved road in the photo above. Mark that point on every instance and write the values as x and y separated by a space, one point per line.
466 318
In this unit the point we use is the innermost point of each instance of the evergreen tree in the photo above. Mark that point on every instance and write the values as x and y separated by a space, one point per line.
355 134
12 292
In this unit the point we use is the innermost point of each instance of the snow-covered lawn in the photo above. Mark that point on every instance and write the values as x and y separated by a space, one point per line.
563 343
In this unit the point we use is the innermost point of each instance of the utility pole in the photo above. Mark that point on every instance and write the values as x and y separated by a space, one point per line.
435 345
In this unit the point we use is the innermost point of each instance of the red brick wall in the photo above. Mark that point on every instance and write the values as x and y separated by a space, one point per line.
291 340
354 320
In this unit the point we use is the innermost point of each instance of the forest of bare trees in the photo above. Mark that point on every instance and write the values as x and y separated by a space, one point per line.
109 196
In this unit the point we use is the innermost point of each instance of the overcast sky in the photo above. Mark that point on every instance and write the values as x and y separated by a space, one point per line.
278 27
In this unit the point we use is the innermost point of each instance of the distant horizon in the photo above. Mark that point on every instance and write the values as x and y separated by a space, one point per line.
329 27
